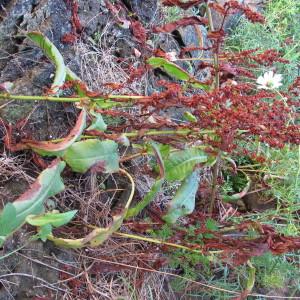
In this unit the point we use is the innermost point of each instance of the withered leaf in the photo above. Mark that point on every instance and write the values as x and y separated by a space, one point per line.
182 4
169 27
139 31
58 149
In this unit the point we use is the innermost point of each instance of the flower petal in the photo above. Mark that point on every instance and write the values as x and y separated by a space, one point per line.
260 80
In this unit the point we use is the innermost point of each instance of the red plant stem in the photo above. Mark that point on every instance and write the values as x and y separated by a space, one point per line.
214 185
216 167
216 54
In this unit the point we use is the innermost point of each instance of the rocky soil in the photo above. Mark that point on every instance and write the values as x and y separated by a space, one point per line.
40 271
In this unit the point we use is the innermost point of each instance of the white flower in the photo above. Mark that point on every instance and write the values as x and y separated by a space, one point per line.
171 56
269 81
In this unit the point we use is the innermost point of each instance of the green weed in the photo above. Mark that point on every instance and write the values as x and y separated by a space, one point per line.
281 32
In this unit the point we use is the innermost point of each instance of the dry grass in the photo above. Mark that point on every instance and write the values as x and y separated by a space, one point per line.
99 65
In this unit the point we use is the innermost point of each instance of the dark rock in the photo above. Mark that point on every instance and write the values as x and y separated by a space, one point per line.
50 17
232 21
195 36
144 9
92 16
8 29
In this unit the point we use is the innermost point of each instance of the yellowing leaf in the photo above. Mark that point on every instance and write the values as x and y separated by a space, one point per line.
48 184
58 149
98 235
53 218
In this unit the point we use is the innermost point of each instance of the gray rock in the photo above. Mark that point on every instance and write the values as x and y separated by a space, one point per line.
144 9
11 18
91 15
50 17
196 36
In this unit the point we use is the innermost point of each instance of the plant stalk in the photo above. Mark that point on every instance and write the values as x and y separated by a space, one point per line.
214 185
67 99
216 167
216 55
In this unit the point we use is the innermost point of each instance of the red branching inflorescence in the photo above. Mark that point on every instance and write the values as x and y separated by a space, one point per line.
76 27
169 27
250 14
139 31
183 4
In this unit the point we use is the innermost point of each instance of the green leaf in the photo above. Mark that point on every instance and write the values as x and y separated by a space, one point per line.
98 122
7 221
181 163
54 55
163 149
183 202
58 149
49 220
81 156
211 224
48 184
175 71
44 232
240 195
189 117
107 104
132 212
53 218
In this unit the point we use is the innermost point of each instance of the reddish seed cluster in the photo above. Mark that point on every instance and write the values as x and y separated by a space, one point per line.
268 57
182 4
77 28
295 87
233 111
251 15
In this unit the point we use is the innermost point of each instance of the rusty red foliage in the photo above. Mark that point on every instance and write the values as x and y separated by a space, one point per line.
169 27
250 14
294 88
182 4
268 57
76 27
139 31
218 7
69 38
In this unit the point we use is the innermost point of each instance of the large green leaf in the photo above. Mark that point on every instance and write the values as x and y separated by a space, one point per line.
181 163
175 71
31 202
58 149
183 202
54 55
8 222
81 156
